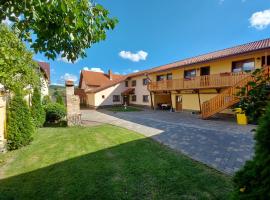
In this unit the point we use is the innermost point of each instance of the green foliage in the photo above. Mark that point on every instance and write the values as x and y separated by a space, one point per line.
255 100
65 27
16 62
46 100
20 126
59 100
37 110
54 112
58 97
253 181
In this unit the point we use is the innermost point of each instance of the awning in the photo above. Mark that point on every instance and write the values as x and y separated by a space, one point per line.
128 91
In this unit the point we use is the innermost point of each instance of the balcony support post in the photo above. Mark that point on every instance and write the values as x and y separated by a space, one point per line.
199 97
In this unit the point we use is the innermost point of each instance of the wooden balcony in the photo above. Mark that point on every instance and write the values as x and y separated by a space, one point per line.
199 82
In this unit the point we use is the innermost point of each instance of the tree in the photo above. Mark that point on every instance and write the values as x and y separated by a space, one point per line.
254 100
37 111
16 63
253 181
58 97
65 27
20 126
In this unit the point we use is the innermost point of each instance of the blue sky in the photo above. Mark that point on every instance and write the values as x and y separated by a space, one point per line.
151 33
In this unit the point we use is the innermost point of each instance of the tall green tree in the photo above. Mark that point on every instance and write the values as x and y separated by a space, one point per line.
20 126
37 111
65 27
253 181
17 68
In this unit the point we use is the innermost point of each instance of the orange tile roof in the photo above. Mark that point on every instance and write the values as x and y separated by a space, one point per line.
233 51
97 79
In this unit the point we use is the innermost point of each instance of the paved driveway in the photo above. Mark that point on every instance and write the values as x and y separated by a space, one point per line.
219 143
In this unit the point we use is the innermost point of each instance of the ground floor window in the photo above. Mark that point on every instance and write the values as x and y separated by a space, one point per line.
146 98
116 98
133 98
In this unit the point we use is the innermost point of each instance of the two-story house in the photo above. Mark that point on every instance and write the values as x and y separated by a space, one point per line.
207 83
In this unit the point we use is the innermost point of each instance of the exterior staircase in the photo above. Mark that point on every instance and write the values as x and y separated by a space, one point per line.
228 97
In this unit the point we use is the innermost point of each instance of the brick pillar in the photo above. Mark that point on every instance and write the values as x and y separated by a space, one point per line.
2 122
73 105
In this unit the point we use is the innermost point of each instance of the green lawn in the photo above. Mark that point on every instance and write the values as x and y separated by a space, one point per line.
104 162
122 109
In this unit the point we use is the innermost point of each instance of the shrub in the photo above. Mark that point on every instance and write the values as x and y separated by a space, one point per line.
54 112
37 111
253 180
59 99
254 101
20 126
46 100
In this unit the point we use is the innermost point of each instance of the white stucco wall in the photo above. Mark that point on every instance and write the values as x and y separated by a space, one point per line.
140 90
108 95
2 120
44 87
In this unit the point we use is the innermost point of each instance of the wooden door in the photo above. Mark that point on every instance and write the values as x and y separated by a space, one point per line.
178 101
126 100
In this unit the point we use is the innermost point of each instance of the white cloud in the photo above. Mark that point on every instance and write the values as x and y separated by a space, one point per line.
94 69
135 57
136 70
260 20
68 76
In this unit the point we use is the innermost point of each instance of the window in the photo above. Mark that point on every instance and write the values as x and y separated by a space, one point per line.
133 98
169 76
126 83
133 83
243 65
103 96
145 98
145 81
160 77
263 61
116 98
189 73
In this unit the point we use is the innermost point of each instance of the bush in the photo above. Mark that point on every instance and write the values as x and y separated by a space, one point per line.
59 99
253 181
54 112
37 111
46 100
20 126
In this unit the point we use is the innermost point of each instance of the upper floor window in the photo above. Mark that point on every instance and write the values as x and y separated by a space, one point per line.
133 83
116 98
243 65
145 81
126 83
189 73
169 76
161 77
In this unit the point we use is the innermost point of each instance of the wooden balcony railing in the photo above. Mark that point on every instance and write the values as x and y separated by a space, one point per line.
228 97
199 82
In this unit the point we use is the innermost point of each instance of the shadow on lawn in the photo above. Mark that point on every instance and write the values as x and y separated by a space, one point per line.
136 170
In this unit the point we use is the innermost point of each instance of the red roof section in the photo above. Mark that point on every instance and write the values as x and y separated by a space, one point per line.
45 67
97 79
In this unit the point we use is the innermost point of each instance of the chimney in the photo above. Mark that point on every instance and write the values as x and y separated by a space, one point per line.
110 74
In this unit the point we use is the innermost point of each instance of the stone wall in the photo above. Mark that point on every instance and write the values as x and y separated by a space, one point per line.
2 122
73 105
